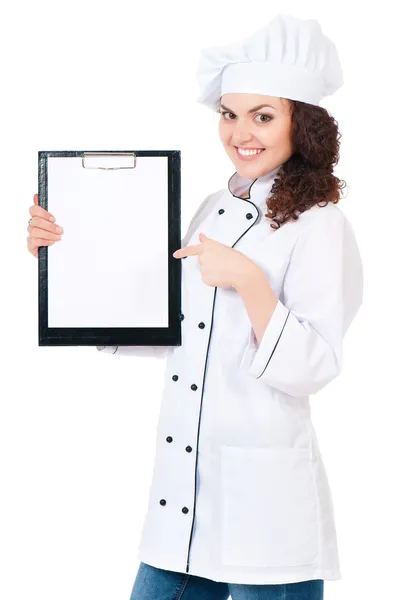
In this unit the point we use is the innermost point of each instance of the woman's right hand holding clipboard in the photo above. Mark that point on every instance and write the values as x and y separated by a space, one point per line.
43 231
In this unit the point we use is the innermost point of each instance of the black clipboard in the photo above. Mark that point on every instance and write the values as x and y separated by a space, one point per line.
112 278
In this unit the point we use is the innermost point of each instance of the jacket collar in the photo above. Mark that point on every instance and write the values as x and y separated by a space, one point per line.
258 189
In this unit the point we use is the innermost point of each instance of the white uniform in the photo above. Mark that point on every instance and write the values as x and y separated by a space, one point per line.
239 491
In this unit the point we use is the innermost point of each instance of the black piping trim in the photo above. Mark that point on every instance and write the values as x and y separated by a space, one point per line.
204 371
274 346
245 199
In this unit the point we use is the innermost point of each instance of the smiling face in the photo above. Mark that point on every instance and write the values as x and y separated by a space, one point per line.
246 123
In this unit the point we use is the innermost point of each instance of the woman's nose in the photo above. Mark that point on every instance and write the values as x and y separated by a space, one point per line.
242 142
242 135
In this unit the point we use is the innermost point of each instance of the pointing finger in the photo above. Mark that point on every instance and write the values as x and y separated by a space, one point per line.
187 251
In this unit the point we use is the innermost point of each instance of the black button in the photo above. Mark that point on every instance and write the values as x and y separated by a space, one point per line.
188 449
220 212
249 216
169 439
185 510
175 377
181 317
162 502
201 325
194 387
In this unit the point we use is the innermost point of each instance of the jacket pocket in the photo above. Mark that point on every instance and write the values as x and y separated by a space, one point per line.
269 507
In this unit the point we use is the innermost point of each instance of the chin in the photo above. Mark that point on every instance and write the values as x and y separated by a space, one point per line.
252 171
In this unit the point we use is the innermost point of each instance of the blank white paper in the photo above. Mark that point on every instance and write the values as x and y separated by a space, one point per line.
110 269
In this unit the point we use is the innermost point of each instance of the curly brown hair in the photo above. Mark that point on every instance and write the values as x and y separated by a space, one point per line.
306 178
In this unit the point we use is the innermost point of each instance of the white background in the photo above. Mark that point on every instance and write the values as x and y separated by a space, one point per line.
77 427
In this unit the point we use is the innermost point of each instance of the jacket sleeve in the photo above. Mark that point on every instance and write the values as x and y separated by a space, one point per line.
301 349
158 351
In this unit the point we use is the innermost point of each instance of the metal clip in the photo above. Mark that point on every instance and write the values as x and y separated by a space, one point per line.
109 154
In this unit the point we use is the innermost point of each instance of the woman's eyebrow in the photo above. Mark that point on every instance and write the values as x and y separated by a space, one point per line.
251 110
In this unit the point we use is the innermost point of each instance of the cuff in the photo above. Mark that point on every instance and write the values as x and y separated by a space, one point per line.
256 358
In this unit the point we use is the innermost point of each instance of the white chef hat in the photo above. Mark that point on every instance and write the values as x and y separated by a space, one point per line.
289 57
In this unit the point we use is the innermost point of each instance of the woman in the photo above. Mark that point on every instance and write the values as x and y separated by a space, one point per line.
239 503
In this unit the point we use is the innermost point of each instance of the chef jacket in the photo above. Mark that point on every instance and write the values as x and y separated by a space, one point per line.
239 492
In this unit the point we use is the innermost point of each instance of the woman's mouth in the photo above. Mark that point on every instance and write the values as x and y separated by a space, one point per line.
249 153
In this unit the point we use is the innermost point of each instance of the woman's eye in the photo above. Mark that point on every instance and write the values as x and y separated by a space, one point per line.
225 112
267 117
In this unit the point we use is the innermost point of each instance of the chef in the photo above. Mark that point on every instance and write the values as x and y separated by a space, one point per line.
239 491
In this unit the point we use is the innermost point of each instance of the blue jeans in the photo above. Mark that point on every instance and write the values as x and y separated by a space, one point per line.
152 583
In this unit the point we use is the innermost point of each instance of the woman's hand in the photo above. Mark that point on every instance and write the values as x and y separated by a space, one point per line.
42 229
220 265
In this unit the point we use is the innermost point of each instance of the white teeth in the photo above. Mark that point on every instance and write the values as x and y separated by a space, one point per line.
249 152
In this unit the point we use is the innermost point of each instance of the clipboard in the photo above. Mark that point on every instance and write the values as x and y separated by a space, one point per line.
112 278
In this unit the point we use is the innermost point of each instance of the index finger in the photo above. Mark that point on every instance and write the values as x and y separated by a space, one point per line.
187 251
